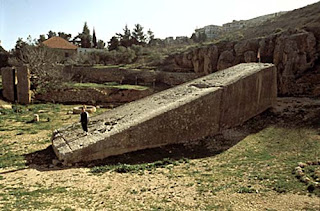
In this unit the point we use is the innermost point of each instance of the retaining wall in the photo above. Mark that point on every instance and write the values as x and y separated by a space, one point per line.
184 113
128 76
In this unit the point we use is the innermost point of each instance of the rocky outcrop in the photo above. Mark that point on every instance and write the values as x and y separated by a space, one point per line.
226 59
294 52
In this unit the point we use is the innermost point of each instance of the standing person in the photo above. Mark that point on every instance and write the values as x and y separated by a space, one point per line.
84 119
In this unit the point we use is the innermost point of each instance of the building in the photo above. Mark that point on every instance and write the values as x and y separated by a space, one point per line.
211 31
234 25
61 46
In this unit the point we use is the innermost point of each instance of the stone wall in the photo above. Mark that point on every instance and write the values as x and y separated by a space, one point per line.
185 113
92 95
128 76
16 84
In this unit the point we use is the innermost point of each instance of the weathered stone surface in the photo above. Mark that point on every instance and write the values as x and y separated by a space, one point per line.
184 113
23 86
8 82
92 95
226 59
294 54
250 56
210 59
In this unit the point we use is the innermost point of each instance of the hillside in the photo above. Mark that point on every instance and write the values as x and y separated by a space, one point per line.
290 41
304 18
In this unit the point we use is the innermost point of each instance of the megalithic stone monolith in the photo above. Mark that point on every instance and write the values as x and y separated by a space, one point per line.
185 113
23 86
8 83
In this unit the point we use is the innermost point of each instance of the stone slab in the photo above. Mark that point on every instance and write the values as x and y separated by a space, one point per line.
23 86
185 113
8 83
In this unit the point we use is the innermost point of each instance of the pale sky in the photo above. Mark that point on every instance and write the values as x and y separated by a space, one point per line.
20 18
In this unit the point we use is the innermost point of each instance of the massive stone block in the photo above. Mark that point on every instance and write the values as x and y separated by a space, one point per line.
185 113
8 83
23 86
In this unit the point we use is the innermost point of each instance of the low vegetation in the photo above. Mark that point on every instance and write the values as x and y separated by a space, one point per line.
257 166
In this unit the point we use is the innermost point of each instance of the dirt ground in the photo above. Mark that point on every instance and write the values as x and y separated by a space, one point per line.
42 185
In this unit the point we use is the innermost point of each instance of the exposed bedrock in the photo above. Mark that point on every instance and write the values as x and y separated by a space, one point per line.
295 53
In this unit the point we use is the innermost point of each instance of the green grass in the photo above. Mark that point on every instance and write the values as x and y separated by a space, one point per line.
112 85
264 162
23 114
20 198
127 168
8 157
15 120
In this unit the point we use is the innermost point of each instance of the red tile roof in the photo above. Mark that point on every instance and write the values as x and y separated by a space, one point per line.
58 42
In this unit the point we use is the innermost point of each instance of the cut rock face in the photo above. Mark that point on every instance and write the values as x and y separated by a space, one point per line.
185 113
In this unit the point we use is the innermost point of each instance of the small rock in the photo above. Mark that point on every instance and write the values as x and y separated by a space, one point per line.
302 165
309 163
70 112
305 179
299 173
41 111
51 166
6 106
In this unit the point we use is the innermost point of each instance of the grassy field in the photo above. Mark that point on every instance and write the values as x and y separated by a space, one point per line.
251 167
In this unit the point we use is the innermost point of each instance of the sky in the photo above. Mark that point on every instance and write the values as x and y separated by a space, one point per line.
21 18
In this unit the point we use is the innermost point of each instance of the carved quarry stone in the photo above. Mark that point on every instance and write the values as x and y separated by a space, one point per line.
185 113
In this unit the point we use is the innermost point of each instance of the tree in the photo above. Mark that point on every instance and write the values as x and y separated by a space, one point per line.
113 44
51 34
42 38
20 44
101 44
150 36
125 38
94 39
43 64
64 36
85 37
138 34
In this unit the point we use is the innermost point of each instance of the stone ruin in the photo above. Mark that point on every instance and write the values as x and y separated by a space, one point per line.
16 84
185 113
